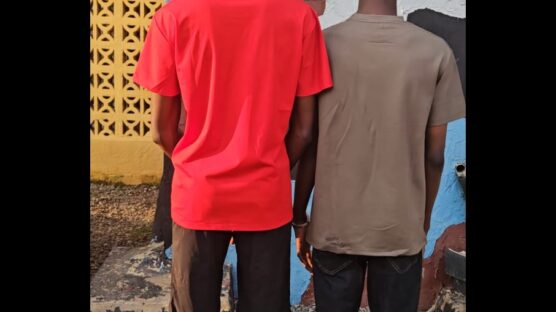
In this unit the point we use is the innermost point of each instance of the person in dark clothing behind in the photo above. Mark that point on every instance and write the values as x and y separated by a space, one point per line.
162 225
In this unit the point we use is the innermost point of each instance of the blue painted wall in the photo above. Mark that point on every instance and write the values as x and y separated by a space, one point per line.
449 207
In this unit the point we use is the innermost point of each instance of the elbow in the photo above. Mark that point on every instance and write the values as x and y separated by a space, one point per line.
305 135
157 139
435 159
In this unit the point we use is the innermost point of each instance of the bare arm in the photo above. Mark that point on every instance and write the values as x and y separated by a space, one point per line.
304 183
165 119
302 123
434 162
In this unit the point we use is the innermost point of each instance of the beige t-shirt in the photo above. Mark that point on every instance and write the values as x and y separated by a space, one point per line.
392 80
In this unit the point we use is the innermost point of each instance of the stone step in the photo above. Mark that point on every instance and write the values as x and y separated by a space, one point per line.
138 280
455 267
449 300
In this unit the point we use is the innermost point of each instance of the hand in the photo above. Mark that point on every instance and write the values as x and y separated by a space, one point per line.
303 248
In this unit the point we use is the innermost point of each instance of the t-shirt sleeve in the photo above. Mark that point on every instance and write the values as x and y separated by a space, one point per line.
156 68
315 73
449 102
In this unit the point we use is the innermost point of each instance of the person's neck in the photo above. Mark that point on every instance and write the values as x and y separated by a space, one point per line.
377 7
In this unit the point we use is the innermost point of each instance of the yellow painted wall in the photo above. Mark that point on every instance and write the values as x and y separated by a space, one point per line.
121 145
126 161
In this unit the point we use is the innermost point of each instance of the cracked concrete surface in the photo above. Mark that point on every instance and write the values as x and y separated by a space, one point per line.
138 280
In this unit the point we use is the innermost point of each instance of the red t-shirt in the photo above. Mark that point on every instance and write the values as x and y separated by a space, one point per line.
238 66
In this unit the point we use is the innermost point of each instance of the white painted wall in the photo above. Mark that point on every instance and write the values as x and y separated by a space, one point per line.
339 10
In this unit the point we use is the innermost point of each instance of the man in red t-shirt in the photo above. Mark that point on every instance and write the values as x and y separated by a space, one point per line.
239 67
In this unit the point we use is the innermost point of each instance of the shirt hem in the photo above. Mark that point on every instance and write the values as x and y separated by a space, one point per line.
155 89
455 116
248 227
373 253
314 91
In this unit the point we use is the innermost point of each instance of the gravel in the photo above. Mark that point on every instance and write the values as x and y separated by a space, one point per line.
121 215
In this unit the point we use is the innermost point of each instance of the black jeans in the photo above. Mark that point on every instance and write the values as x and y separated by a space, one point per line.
393 283
162 225
263 269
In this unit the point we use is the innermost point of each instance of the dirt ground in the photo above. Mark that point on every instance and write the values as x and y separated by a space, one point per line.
121 215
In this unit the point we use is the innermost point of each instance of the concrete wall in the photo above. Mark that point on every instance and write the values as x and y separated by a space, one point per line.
125 160
121 144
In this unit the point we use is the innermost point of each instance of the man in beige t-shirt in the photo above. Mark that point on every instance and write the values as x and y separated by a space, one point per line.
379 159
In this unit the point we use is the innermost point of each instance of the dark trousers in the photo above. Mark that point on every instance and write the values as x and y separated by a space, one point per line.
263 269
162 225
393 283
